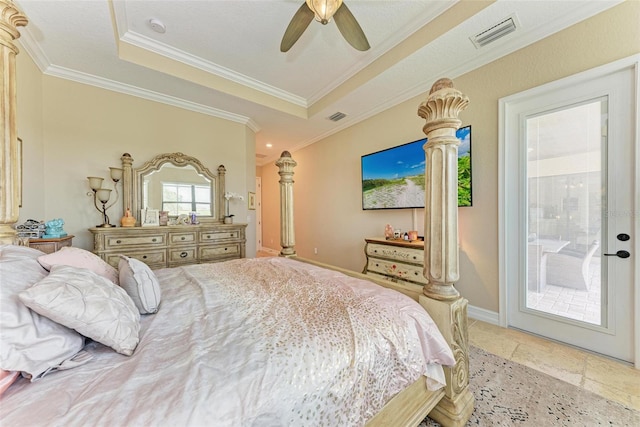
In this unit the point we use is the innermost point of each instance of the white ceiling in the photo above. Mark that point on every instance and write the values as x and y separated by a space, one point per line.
222 57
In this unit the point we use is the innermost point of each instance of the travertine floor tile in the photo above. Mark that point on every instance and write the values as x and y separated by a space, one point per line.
605 377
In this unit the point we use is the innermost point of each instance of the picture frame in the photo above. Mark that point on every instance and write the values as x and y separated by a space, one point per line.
149 217
252 200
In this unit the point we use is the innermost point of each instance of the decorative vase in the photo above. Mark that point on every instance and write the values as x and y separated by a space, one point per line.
128 220
228 220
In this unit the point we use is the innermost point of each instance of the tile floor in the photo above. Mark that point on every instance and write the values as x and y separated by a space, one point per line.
603 376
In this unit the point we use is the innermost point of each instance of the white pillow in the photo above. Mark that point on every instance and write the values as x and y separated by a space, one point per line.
29 343
81 258
140 283
92 305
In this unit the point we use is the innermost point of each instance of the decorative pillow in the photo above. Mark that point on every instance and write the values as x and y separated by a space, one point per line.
29 343
140 283
92 305
76 257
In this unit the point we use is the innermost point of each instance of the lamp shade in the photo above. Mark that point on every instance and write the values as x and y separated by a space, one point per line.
116 174
103 195
324 9
95 183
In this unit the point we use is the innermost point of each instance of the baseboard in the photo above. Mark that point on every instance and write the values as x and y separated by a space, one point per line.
483 315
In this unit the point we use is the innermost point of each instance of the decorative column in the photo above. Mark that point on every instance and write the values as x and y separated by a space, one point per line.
440 111
127 185
443 302
222 189
287 233
10 19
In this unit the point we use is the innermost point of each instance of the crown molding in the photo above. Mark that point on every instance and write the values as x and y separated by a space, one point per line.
149 95
170 52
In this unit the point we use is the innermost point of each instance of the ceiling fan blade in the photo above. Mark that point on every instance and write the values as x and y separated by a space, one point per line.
350 28
298 24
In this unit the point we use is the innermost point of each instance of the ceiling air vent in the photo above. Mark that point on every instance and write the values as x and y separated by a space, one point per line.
497 31
337 116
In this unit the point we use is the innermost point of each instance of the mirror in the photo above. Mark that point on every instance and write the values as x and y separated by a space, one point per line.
176 183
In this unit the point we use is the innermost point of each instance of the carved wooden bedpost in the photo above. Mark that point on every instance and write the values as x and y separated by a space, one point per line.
442 300
10 19
287 233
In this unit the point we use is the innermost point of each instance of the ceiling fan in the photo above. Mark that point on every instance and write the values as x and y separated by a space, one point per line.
323 11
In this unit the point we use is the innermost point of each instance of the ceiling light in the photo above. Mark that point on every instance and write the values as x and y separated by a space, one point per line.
157 25
324 9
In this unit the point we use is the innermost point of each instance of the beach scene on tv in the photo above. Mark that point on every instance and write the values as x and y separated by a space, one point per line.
394 178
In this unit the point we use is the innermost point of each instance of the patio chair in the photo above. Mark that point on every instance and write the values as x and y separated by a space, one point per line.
570 271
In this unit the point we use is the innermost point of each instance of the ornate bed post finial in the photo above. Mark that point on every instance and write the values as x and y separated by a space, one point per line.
10 19
440 111
287 233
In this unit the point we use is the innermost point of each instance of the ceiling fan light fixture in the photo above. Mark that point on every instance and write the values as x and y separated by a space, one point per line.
324 9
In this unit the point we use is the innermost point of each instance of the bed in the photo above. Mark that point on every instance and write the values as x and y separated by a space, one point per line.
263 341
273 341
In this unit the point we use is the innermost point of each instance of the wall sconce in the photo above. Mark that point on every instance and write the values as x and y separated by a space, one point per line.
103 194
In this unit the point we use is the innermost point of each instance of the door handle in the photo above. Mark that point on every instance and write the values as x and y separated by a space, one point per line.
620 254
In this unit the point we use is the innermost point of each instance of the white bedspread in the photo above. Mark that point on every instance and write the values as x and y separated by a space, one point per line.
233 346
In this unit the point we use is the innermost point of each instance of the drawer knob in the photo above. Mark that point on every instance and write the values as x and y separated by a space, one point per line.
154 239
226 249
118 241
183 238
183 254
208 236
144 257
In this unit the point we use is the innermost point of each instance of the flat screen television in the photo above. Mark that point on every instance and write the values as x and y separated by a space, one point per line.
394 178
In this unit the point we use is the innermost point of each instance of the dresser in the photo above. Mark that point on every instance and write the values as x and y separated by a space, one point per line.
171 246
395 260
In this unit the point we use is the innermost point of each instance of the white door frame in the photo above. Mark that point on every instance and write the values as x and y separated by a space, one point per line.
505 191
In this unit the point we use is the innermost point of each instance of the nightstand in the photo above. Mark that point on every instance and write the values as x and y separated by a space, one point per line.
49 246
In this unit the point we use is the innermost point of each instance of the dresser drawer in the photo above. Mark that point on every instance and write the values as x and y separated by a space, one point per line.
395 270
126 241
185 255
209 253
180 238
153 258
217 236
409 255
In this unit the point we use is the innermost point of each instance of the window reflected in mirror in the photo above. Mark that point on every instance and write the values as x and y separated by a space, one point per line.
178 190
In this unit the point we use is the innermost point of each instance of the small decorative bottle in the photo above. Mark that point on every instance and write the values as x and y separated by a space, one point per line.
128 220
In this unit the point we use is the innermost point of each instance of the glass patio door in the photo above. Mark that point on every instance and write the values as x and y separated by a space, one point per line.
574 174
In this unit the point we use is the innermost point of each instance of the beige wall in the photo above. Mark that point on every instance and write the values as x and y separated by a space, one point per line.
328 210
84 130
30 123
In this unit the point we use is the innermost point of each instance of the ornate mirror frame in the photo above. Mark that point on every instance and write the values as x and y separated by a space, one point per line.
132 182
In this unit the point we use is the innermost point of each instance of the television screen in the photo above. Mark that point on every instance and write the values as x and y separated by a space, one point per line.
394 178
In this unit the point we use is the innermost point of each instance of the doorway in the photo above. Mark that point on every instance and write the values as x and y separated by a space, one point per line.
568 231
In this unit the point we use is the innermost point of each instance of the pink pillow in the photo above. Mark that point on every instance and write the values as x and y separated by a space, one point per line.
6 379
80 258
